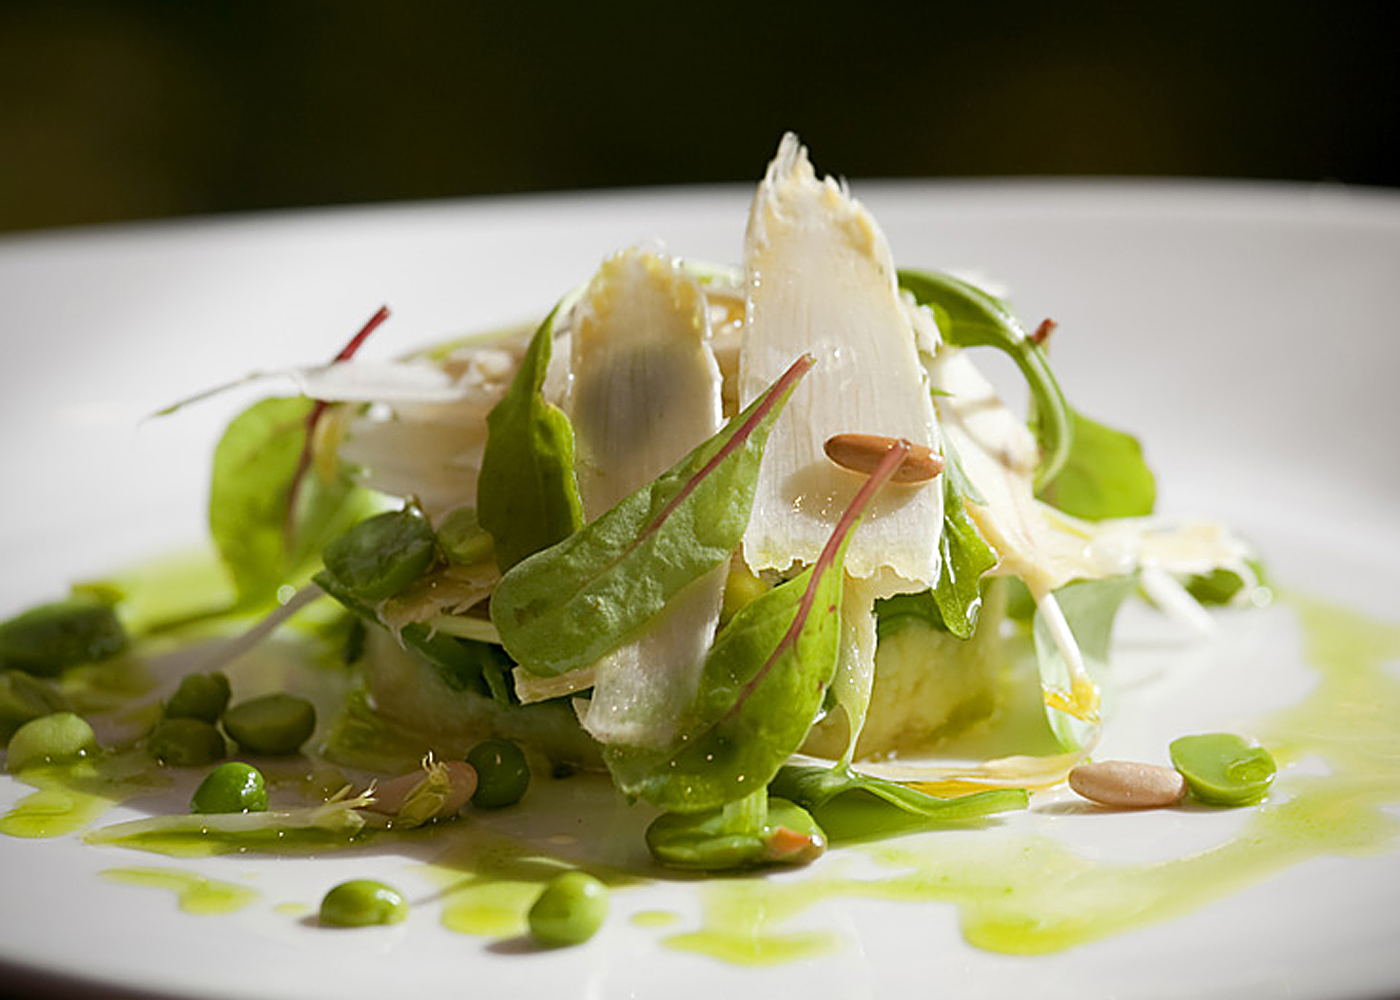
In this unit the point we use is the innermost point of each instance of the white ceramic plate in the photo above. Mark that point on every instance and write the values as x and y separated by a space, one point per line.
1247 333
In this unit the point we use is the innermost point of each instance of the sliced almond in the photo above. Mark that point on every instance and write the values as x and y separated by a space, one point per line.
862 453
1126 784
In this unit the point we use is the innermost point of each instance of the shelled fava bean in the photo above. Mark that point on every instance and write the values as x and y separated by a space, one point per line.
1219 769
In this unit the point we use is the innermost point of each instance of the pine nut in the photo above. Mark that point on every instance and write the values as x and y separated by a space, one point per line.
1127 784
862 453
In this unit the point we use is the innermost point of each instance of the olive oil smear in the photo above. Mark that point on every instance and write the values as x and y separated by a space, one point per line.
1034 895
194 893
1018 894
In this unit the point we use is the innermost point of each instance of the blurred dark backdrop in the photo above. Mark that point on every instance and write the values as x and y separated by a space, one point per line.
143 109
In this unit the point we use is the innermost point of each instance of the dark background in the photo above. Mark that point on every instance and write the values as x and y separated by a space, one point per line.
122 111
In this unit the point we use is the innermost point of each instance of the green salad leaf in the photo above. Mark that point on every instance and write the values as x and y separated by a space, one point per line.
970 317
1089 608
263 544
465 664
862 804
761 685
955 602
568 605
527 496
1104 475
760 688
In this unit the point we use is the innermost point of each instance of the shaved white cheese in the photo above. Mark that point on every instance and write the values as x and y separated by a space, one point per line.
821 279
1045 547
432 451
998 455
411 381
644 389
377 382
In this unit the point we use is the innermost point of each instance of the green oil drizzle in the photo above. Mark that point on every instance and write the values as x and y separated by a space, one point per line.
70 797
489 881
1034 895
1020 894
211 843
743 921
52 811
194 893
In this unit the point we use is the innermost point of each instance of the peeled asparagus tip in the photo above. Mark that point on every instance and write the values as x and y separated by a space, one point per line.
862 453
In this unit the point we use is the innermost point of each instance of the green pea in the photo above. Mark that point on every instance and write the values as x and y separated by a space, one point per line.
363 902
199 696
234 787
46 639
1223 769
24 697
383 554
275 724
186 742
464 541
502 774
50 739
569 911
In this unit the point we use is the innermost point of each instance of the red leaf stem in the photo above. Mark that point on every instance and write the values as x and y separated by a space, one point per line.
314 417
886 469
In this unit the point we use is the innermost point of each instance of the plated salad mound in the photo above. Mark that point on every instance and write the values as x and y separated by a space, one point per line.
750 539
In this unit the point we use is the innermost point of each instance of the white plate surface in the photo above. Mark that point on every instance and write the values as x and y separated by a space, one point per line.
1247 333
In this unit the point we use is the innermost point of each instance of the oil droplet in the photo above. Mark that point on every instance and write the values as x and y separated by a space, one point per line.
195 893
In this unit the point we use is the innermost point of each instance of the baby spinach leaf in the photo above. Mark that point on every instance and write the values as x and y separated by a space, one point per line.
255 464
567 606
760 687
969 317
753 831
1104 475
526 496
872 806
